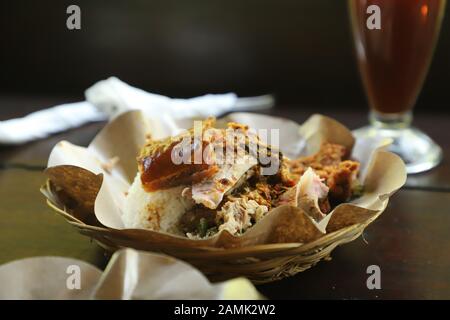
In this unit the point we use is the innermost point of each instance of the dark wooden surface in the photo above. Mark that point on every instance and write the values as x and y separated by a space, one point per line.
410 242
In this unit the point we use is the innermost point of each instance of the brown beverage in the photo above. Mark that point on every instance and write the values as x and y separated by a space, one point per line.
394 60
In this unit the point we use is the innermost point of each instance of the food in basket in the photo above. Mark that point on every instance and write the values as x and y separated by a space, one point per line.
209 179
287 239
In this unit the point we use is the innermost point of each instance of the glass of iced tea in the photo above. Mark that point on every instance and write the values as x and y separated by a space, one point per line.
394 54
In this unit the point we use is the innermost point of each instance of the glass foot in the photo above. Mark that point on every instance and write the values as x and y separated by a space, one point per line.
419 152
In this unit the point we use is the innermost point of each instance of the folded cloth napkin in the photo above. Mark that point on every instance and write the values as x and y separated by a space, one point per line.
108 98
130 274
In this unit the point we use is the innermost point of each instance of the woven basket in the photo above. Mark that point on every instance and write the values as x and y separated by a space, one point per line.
260 264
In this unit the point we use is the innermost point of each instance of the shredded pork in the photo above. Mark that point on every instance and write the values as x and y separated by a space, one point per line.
234 196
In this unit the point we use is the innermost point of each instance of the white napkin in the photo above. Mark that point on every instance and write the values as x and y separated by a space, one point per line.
130 274
108 98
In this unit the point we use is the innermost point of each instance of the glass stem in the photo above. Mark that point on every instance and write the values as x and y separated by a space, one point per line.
392 121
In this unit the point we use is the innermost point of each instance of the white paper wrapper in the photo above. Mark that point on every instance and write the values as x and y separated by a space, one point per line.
382 173
130 274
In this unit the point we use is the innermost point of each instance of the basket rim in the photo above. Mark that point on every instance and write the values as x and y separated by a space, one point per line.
219 252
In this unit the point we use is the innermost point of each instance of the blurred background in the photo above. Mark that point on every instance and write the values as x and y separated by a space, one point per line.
301 51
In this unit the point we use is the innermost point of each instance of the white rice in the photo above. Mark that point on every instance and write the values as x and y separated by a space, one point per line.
159 210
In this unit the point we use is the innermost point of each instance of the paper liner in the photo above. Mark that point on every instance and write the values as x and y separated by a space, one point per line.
130 274
382 173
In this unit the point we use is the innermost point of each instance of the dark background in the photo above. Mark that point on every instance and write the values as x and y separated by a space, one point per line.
300 50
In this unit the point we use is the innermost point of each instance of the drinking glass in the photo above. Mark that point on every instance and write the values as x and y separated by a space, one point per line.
393 62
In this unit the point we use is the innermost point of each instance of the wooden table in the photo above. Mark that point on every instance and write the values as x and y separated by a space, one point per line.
410 242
